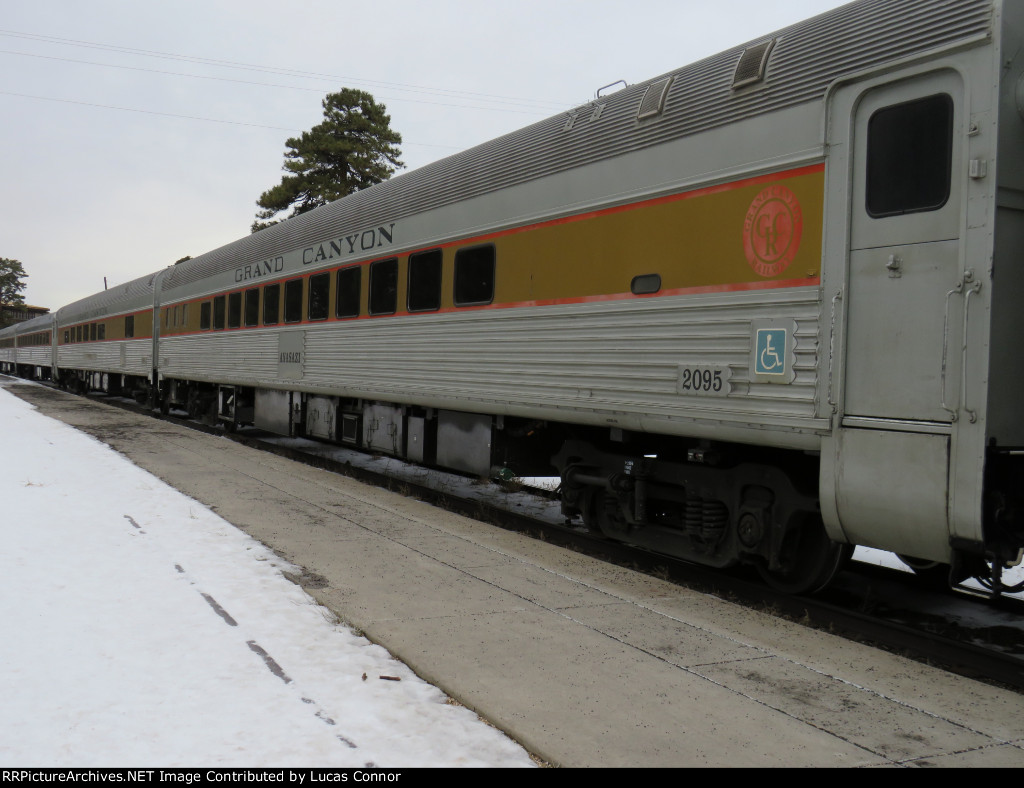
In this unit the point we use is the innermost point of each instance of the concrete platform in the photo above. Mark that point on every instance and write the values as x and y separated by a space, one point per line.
585 664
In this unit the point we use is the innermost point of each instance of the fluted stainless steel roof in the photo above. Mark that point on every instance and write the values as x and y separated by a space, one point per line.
38 323
136 294
805 60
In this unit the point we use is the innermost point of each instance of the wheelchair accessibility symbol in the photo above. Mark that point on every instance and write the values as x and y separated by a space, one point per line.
771 352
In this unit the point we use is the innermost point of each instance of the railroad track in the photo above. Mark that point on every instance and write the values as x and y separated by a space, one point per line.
969 635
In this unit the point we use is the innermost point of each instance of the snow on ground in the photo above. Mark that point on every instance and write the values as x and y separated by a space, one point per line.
140 629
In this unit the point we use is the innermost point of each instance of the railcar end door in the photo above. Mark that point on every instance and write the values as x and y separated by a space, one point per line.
905 251
884 475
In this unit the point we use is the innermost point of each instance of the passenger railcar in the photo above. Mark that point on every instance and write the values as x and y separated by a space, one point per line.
106 342
25 348
8 349
757 310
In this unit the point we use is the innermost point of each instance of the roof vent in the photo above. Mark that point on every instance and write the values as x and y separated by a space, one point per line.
753 64
654 99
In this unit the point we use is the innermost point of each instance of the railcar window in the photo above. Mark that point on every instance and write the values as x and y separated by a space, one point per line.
235 310
425 281
319 295
350 282
384 287
219 312
66 340
92 332
252 307
293 301
271 305
910 157
101 332
474 276
646 284
129 326
184 316
204 316
78 333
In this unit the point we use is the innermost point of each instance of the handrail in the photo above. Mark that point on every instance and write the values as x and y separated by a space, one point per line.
945 350
831 350
971 414
613 84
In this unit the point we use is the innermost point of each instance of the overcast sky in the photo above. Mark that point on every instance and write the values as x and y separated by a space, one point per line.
135 133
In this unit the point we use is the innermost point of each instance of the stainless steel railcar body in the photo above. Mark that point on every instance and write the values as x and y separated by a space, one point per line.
26 348
922 277
105 341
8 349
774 289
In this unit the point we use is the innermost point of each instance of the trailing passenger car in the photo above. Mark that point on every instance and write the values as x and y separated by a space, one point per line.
760 309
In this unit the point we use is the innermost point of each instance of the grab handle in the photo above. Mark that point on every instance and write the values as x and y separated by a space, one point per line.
971 414
831 351
945 349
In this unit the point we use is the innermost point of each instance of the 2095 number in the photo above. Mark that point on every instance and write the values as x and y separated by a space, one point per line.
704 381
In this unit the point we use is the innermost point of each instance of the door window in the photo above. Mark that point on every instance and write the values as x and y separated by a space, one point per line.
910 155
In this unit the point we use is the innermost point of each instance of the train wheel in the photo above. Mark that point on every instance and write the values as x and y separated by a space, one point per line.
809 560
602 515
193 404
593 500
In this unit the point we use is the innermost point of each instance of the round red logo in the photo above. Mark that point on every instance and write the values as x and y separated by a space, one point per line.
772 231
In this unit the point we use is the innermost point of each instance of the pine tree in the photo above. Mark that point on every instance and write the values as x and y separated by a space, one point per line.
11 275
353 148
